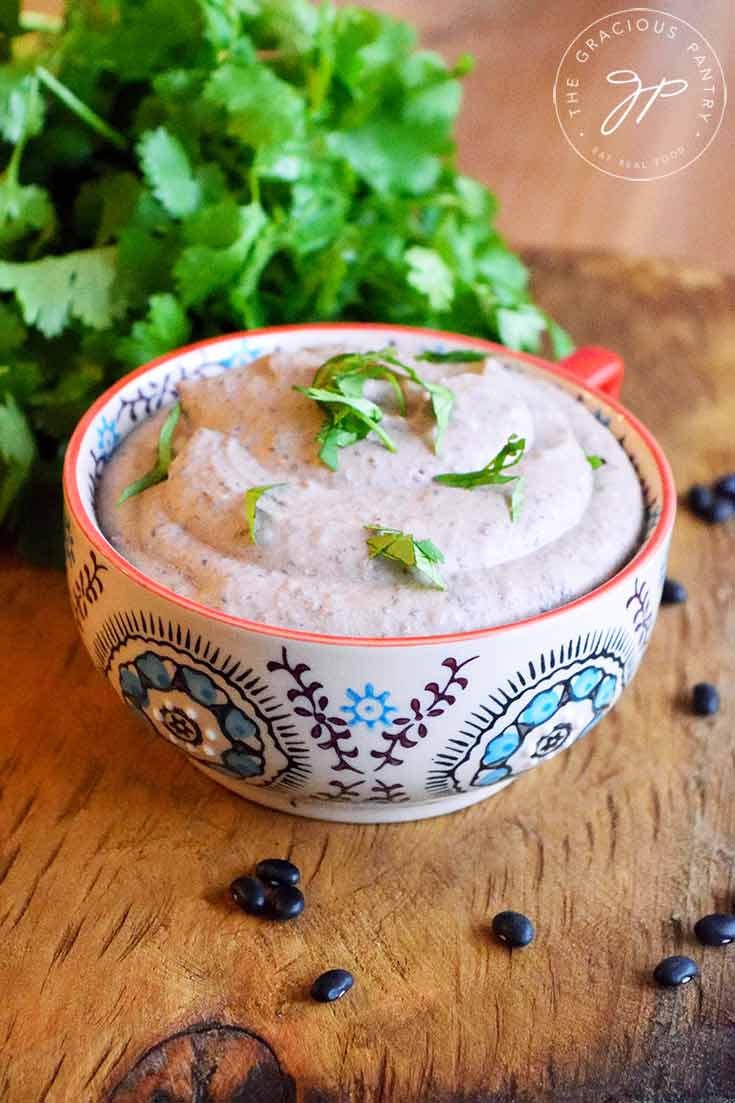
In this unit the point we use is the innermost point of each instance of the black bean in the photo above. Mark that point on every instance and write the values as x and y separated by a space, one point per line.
715 930
700 499
673 971
705 699
725 486
332 985
249 894
286 902
673 593
513 928
277 871
721 510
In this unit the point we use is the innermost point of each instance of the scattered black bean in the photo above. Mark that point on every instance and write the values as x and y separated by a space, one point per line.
513 929
715 930
705 699
332 985
673 593
249 894
700 499
277 871
721 510
725 486
673 971
286 902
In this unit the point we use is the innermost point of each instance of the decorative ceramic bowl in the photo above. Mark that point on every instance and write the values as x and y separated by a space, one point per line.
357 729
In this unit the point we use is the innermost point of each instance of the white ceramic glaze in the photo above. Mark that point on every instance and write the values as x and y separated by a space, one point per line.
357 729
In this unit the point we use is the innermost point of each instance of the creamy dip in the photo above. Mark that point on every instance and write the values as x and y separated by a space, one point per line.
310 568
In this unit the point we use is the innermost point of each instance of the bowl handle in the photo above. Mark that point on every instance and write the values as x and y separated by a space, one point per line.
596 367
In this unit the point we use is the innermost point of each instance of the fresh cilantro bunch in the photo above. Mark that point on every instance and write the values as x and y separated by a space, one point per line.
169 171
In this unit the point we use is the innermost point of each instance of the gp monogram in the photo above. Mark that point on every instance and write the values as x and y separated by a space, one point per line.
640 94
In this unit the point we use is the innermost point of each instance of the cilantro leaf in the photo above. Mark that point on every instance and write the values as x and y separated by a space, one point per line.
429 274
453 356
562 344
389 155
442 398
55 289
595 462
165 328
159 472
202 270
402 547
347 421
348 373
168 171
252 497
262 109
493 473
23 208
22 108
520 327
17 452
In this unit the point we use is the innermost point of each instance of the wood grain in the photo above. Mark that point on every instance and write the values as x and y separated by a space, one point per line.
115 929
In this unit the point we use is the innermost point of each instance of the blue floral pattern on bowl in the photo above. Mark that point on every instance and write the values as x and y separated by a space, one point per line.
108 437
543 709
551 720
186 704
369 708
202 701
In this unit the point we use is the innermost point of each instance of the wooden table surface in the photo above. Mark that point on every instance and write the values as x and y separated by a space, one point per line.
127 976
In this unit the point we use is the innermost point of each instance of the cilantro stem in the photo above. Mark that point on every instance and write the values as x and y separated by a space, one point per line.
80 109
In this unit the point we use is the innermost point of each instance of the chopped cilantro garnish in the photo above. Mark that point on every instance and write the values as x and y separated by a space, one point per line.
441 397
347 420
595 462
453 356
252 497
401 547
159 472
494 474
339 384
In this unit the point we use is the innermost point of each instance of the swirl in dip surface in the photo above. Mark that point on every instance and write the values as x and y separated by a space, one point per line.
310 568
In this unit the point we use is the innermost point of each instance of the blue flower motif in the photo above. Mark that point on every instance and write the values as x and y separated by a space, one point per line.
369 707
108 437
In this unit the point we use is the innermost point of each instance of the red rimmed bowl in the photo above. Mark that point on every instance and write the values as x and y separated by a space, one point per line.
300 721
